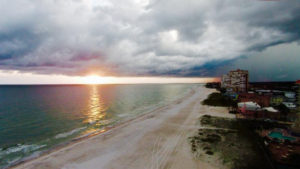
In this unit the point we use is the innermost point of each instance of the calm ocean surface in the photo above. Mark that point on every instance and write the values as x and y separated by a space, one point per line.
36 118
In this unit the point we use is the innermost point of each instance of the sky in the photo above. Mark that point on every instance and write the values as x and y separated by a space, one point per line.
56 41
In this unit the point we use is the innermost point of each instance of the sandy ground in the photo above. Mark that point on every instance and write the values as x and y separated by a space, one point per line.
156 140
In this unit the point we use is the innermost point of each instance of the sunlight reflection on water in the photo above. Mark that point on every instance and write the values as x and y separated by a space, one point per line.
96 106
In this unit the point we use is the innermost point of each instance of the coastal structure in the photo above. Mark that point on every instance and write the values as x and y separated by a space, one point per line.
276 100
255 111
262 100
236 81
251 106
283 146
282 140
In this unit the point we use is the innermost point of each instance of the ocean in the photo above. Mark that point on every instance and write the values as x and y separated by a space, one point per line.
37 118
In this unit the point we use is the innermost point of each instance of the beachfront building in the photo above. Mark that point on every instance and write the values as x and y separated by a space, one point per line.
236 80
225 83
244 106
262 100
276 100
253 110
248 108
290 96
289 105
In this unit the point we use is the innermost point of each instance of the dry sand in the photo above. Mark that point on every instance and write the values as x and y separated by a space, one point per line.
156 140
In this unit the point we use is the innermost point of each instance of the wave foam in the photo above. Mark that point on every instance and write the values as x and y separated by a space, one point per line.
21 148
66 134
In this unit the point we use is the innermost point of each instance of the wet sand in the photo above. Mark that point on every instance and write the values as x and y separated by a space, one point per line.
156 140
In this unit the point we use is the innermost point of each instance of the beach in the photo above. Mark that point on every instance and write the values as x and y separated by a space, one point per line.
158 139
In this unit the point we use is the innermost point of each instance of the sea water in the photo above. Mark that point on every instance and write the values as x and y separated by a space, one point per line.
36 118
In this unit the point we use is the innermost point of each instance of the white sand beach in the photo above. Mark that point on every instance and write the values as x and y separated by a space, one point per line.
156 140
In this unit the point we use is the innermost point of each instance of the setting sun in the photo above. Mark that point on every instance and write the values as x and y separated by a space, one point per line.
94 79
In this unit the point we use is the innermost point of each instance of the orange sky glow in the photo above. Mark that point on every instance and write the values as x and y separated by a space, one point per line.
15 77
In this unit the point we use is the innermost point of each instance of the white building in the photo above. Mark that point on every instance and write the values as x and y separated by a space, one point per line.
249 106
289 105
225 81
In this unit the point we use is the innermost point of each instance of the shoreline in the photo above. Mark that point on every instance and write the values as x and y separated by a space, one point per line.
97 132
47 159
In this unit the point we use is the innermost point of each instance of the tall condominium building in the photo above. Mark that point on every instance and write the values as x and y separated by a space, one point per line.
236 80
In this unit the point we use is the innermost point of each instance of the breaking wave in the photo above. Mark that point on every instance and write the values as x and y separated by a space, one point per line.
69 133
20 148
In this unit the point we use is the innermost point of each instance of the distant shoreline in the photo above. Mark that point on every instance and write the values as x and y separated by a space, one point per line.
95 84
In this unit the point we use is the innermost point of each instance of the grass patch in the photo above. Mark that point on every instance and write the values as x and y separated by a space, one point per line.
219 122
217 99
232 143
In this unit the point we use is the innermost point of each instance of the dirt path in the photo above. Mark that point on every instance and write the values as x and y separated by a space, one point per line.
157 140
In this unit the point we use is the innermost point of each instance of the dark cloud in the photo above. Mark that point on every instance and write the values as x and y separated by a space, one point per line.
278 63
140 37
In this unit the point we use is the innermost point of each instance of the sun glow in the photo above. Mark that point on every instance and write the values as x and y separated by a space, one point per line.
15 77
94 79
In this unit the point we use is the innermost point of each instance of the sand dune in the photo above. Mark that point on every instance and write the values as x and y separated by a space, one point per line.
156 140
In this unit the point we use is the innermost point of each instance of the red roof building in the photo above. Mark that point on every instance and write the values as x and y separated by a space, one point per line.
262 100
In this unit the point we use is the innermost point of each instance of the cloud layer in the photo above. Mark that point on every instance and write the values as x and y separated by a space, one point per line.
139 37
273 64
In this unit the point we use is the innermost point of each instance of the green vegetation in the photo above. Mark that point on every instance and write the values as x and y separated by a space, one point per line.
217 99
297 121
282 108
218 122
230 141
213 85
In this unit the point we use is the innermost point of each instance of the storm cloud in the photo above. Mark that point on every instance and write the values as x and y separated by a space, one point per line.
140 37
